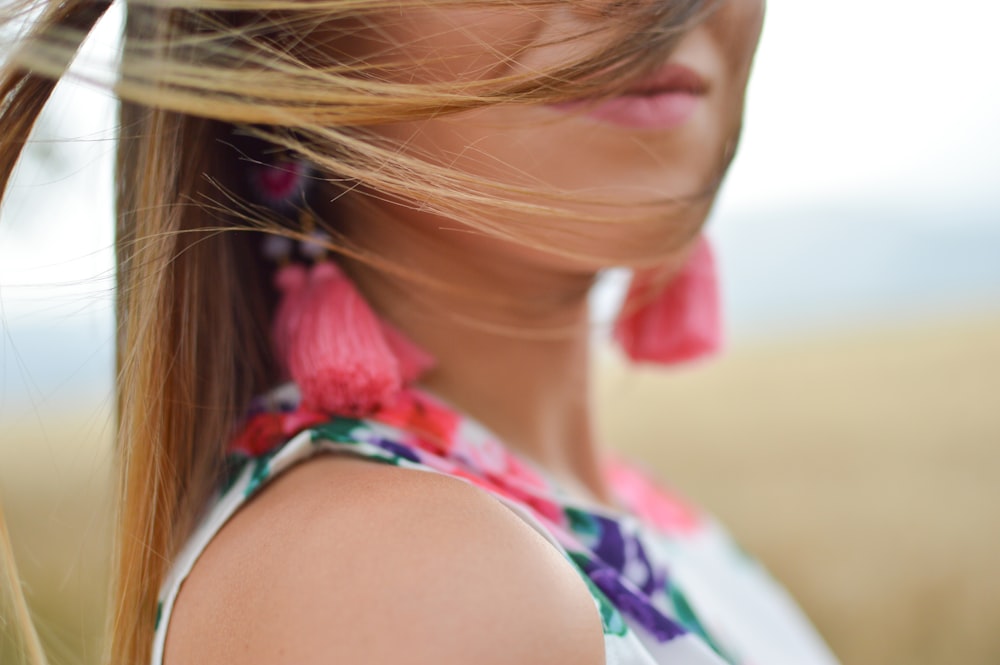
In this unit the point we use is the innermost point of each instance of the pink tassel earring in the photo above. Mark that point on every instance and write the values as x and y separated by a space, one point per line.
413 360
290 280
681 322
344 359
337 354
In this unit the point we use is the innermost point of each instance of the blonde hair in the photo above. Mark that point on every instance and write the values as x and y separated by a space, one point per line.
18 637
192 305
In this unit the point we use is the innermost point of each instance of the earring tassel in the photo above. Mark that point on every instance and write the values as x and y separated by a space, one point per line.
681 323
290 281
337 353
413 360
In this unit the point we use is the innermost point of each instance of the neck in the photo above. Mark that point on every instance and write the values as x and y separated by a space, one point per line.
510 336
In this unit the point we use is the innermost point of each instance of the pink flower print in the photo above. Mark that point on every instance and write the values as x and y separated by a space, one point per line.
650 502
265 431
433 425
260 434
476 447
526 475
301 419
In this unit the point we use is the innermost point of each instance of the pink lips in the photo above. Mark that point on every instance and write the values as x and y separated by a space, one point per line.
665 100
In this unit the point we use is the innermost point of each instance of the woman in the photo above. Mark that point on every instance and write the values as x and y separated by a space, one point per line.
471 167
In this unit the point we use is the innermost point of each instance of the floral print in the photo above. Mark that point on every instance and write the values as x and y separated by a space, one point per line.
669 585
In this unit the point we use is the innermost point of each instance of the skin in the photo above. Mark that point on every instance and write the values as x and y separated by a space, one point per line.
257 595
534 393
344 561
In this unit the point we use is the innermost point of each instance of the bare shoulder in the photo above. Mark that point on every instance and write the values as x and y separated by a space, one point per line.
342 560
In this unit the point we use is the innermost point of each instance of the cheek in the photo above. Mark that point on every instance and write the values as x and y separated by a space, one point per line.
526 147
434 45
535 152
544 154
737 27
730 35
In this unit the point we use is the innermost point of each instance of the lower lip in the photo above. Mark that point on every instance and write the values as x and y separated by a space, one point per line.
667 110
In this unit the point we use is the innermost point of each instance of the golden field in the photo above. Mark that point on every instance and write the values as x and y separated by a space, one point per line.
863 469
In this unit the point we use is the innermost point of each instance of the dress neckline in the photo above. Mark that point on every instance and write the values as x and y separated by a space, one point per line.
590 504
277 416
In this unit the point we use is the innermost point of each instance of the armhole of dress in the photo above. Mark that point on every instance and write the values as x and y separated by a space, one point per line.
251 480
223 507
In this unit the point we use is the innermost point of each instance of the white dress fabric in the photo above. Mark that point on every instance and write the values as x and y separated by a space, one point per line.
670 585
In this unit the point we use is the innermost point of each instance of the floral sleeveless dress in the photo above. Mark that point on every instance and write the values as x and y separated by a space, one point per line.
670 586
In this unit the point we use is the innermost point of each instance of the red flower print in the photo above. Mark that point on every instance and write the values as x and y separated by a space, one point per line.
433 424
650 502
263 432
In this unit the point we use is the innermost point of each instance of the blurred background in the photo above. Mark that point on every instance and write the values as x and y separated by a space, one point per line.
850 435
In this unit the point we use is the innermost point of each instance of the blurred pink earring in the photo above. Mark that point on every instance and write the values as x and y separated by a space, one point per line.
281 185
344 359
676 322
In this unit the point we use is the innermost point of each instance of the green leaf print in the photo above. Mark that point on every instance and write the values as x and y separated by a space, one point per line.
232 471
686 615
260 473
340 430
582 523
611 618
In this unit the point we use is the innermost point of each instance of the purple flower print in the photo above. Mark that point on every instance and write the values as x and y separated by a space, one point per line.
631 603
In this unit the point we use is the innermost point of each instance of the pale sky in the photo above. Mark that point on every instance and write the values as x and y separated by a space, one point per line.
860 96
